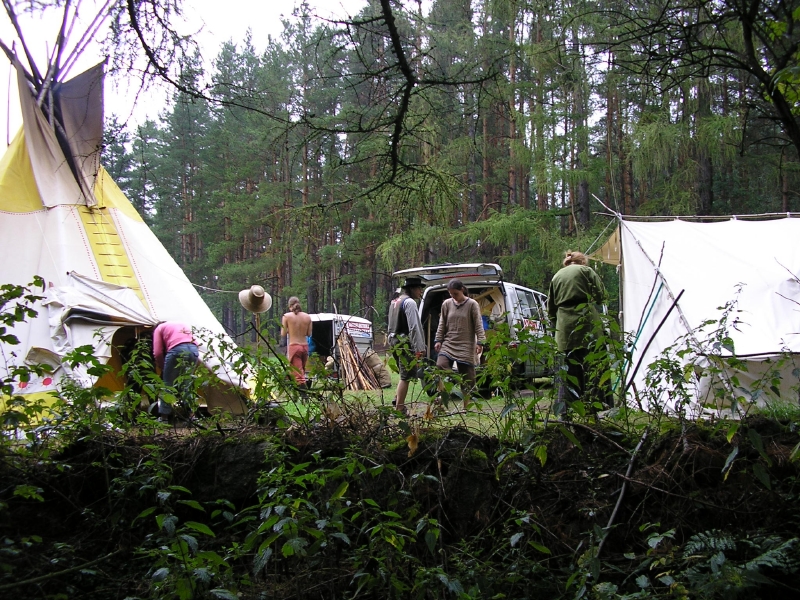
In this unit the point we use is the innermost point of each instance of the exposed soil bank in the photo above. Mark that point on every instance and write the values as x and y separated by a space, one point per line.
461 515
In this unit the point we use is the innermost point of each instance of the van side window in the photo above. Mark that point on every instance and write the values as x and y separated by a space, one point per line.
529 309
536 309
526 304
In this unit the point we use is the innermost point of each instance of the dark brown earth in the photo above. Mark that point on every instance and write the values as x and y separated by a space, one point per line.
83 539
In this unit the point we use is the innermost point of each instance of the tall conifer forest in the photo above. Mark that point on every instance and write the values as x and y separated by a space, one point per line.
315 164
460 131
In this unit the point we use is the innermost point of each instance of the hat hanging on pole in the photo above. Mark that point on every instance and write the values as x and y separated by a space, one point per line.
255 299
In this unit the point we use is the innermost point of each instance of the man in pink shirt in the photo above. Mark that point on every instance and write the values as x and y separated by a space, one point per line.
176 354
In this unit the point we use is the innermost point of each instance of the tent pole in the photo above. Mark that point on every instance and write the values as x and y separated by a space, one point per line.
617 214
657 268
652 337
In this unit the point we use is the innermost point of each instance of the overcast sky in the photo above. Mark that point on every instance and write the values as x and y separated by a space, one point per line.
217 20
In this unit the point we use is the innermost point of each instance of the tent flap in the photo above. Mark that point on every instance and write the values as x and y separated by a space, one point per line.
611 251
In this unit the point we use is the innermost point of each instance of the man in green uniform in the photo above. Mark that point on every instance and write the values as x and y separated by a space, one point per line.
574 291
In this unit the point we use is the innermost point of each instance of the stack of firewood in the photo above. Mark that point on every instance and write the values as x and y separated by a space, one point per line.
353 371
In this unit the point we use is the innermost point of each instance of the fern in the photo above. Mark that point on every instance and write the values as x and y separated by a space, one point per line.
725 567
781 556
708 542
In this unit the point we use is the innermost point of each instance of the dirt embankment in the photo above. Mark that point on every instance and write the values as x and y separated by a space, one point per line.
582 497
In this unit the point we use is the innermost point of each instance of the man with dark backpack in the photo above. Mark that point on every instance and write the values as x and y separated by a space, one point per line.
405 336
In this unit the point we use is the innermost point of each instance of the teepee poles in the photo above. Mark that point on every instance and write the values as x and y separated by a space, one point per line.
357 374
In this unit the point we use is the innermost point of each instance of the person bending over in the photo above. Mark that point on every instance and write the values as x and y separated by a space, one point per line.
176 354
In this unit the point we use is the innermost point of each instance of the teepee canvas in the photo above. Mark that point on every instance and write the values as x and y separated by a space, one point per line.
721 298
64 219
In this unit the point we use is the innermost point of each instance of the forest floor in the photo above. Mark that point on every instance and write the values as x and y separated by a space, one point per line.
479 505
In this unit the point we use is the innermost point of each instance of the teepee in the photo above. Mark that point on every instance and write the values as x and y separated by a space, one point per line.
64 219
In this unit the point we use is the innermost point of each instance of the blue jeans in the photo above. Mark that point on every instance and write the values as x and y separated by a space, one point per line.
179 364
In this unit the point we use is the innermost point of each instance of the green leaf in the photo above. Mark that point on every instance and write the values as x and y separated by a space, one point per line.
761 473
212 558
539 547
294 546
268 523
795 453
192 503
184 588
507 409
190 540
224 594
267 542
341 536
200 528
579 408
431 536
758 444
29 492
732 431
261 560
541 454
161 574
339 491
570 436
726 469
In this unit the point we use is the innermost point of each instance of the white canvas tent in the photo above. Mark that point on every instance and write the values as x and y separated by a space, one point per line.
750 267
64 219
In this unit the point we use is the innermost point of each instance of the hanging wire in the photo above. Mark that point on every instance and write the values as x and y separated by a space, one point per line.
602 233
214 290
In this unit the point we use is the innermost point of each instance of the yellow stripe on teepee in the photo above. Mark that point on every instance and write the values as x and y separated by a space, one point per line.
18 189
108 195
109 252
48 399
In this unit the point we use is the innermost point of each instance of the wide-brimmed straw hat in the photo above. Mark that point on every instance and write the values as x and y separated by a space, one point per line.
255 299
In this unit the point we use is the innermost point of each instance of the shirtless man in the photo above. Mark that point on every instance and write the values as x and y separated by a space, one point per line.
297 325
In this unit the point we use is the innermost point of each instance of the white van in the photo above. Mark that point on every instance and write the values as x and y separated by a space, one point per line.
500 301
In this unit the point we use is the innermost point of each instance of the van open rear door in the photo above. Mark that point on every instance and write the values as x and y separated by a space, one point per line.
429 275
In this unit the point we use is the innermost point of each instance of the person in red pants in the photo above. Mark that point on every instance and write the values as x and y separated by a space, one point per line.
297 325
